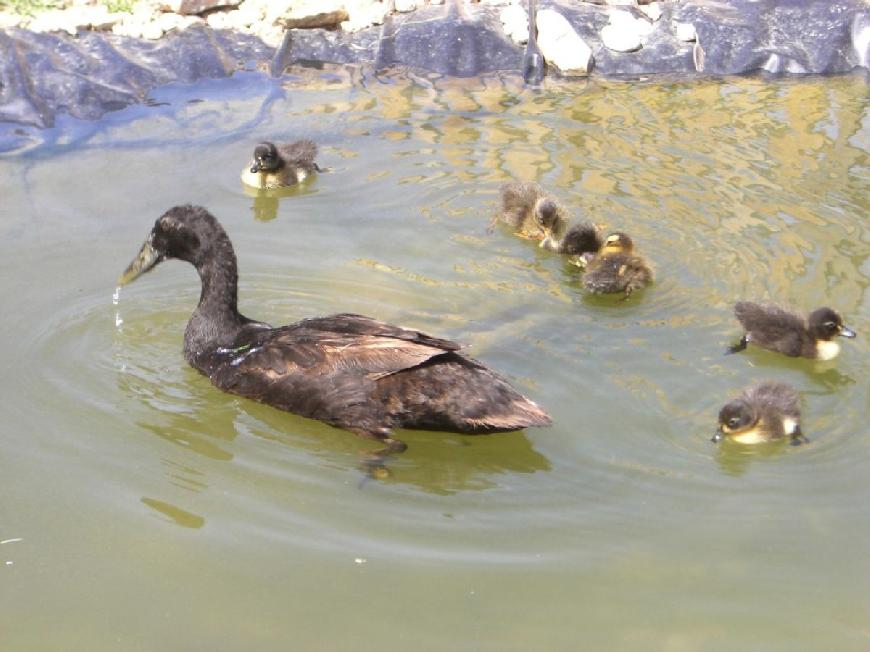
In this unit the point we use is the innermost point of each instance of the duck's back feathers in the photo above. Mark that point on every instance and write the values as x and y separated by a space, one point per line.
774 398
582 238
518 208
300 154
619 272
775 328
359 373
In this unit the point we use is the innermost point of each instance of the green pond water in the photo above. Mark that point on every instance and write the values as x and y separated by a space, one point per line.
143 509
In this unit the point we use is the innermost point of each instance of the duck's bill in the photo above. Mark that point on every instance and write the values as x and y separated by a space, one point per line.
845 331
717 436
145 260
255 168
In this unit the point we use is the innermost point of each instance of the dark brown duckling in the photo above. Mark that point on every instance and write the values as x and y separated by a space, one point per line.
616 268
524 207
581 241
278 166
779 329
764 412
347 370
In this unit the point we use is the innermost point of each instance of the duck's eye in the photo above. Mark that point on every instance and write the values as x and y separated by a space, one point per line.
831 326
733 422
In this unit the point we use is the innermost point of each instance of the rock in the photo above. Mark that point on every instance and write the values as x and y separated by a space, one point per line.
168 22
73 19
686 32
404 6
328 20
622 3
861 38
8 19
364 15
653 10
561 45
624 32
196 7
516 23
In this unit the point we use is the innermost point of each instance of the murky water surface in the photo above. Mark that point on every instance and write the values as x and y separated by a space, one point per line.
142 509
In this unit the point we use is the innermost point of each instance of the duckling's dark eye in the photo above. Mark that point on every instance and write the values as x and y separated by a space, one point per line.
733 422
830 326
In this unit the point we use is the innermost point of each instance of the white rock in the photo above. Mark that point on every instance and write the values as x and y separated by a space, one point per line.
492 3
622 3
686 32
152 31
515 22
623 32
404 6
436 2
8 19
364 15
561 45
653 10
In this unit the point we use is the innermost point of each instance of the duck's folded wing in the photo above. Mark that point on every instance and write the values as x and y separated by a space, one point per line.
771 326
302 152
339 345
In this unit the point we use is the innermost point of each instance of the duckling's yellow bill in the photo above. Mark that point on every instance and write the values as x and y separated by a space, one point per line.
144 261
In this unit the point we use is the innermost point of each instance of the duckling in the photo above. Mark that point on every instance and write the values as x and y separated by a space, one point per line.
524 206
764 412
347 370
580 241
616 268
781 330
276 166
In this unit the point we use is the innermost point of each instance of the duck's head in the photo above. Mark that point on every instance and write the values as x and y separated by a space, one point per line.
617 242
735 418
549 216
266 158
183 232
826 324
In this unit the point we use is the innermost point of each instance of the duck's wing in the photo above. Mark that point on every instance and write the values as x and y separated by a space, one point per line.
344 344
771 326
302 153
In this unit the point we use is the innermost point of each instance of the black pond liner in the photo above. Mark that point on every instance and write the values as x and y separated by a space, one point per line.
86 76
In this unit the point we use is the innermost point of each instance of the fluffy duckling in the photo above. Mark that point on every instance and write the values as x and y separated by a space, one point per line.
277 166
347 370
781 330
616 268
524 207
581 241
765 412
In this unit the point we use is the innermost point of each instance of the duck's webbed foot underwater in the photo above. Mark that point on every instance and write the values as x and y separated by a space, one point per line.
798 437
374 462
740 346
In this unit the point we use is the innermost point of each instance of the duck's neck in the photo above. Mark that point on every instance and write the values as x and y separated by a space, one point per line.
216 321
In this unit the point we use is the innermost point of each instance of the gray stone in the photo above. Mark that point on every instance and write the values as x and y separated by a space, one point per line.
197 7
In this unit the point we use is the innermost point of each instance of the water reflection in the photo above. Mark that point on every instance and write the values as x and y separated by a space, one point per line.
734 459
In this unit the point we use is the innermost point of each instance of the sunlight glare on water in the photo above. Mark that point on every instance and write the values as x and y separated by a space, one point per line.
152 511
